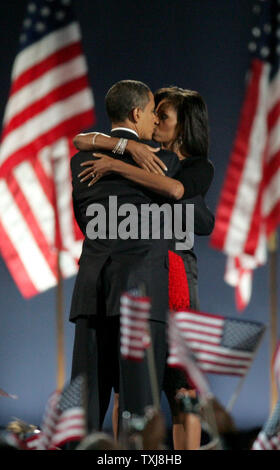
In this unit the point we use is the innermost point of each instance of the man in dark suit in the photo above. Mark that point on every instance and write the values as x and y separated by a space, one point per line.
108 266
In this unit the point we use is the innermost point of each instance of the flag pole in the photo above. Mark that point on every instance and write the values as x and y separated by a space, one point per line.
60 327
153 375
272 249
235 394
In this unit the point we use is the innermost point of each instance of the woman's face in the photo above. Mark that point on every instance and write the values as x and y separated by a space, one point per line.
166 130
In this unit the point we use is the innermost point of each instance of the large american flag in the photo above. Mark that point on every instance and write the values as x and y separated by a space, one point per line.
181 356
65 416
220 345
49 102
249 207
269 437
135 336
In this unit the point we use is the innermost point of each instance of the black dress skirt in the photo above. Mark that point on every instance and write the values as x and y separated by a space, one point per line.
196 175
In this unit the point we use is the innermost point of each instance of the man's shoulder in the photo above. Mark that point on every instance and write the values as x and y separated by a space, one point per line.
81 154
162 153
79 157
171 160
168 154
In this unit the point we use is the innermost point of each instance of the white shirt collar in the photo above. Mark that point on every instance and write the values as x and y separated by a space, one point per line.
127 129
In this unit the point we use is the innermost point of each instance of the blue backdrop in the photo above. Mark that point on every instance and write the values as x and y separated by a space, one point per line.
198 44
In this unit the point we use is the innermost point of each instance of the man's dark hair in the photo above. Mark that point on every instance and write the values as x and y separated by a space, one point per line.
123 97
192 117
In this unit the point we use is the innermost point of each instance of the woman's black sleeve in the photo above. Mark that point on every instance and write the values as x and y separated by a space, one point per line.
196 177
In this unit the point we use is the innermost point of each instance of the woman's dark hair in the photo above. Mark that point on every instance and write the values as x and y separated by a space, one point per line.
192 117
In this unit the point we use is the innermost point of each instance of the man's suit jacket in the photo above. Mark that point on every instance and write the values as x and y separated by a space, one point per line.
106 264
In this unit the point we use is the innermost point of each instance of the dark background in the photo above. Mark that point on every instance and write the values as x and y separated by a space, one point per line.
197 44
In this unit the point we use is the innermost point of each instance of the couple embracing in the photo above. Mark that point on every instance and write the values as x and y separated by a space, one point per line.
177 171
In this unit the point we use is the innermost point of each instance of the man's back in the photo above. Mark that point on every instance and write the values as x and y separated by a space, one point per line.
111 192
111 258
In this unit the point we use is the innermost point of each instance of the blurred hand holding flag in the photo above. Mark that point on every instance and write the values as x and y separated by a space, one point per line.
249 208
65 416
135 336
26 436
49 102
269 437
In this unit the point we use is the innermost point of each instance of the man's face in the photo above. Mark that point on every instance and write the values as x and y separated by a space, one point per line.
148 119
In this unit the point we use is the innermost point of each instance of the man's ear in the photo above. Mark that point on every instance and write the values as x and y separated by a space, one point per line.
135 114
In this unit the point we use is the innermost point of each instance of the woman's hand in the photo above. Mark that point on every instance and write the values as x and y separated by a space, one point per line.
96 168
145 157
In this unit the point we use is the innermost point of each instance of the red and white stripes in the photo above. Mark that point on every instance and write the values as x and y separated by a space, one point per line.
249 205
135 336
49 102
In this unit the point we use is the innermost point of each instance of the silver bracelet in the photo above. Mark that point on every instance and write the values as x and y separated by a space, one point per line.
120 146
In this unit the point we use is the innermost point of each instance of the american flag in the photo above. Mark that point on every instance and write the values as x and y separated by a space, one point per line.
249 207
269 437
49 422
64 418
220 345
276 365
49 102
181 356
135 337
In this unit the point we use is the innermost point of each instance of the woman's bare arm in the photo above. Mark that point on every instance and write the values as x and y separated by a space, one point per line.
163 185
94 141
142 154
